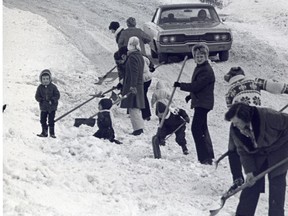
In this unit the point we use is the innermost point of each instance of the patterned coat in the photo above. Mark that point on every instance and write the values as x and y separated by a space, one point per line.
134 67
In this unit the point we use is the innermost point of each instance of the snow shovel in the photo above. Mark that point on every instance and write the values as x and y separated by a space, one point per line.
91 121
93 96
155 138
245 185
101 79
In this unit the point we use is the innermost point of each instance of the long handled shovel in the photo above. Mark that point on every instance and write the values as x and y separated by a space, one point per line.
155 139
101 79
80 105
245 185
91 121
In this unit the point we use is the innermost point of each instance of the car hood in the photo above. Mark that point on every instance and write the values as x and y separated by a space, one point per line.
195 27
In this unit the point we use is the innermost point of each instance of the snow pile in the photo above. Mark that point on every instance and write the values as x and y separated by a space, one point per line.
77 174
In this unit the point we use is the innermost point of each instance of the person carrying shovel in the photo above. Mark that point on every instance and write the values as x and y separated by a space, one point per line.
261 138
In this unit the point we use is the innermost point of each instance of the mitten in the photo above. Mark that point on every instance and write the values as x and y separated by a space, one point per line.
187 98
152 69
176 84
119 86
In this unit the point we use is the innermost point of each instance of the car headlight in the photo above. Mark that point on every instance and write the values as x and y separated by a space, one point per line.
172 39
217 37
165 39
224 37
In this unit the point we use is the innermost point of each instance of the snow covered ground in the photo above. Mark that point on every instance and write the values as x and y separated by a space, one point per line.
77 174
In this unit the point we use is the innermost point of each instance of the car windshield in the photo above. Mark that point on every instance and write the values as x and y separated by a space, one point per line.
188 15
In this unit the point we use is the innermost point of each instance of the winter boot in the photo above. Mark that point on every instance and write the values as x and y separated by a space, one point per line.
185 150
52 132
44 132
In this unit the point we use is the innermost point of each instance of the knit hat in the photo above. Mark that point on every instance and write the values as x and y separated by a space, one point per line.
106 103
133 43
131 22
45 72
234 71
160 107
114 25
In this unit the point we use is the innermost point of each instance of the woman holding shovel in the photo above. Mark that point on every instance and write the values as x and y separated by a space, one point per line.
261 138
201 90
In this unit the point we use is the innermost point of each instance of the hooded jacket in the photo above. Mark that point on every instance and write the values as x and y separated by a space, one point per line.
47 95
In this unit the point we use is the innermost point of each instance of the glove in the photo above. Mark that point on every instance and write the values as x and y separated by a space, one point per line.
151 69
119 86
133 90
177 84
187 119
187 98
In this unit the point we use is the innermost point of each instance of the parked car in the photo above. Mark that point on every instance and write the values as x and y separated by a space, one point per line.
176 28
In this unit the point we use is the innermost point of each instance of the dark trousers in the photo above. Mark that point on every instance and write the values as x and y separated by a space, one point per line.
201 135
250 196
43 119
179 134
146 112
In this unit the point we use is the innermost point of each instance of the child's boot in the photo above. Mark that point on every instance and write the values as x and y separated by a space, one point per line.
52 132
44 132
185 150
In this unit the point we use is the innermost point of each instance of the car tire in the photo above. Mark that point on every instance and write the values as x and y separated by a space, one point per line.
153 54
163 57
224 55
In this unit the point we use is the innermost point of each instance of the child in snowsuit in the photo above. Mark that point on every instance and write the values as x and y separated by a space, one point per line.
172 124
47 95
104 121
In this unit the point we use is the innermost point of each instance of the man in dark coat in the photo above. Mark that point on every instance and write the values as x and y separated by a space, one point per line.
261 138
47 95
201 91
133 82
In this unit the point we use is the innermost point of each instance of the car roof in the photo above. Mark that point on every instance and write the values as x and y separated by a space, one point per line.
184 5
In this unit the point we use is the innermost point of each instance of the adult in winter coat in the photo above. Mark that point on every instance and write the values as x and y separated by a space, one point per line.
133 31
246 90
133 82
115 28
201 91
175 122
104 122
47 95
261 138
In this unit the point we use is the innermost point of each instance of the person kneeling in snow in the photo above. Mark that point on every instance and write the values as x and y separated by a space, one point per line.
175 122
104 121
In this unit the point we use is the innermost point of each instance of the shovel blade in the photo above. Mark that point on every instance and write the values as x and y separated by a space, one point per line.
79 121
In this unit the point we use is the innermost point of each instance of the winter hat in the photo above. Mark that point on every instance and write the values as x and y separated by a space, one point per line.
114 25
131 22
106 103
234 71
45 72
133 43
160 107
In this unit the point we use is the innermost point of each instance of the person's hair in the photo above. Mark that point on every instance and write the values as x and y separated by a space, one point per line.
234 71
202 48
240 110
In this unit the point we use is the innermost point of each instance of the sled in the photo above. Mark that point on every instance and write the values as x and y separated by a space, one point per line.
228 194
155 141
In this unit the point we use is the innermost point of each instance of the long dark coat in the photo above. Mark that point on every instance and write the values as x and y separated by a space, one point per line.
271 133
201 87
133 78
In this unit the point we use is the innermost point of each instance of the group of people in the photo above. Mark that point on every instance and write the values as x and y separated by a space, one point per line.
258 136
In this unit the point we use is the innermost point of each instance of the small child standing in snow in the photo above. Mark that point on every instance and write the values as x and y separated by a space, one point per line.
175 122
104 121
47 95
